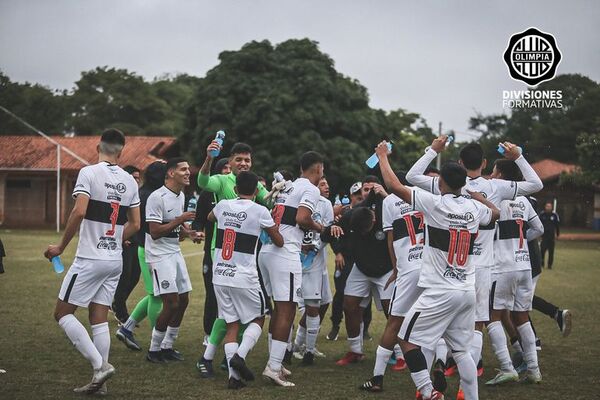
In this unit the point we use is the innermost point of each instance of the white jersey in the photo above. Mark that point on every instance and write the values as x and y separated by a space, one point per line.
408 227
510 247
162 207
301 193
452 225
239 223
323 215
112 192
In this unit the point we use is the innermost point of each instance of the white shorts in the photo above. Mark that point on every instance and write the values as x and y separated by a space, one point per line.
483 284
405 294
282 276
170 275
326 295
512 291
239 304
312 285
439 313
534 280
360 285
91 281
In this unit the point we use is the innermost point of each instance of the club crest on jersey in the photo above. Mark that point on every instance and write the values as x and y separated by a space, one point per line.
165 284
379 235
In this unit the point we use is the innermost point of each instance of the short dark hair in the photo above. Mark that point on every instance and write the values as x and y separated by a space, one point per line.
371 179
401 175
430 170
172 162
246 183
287 175
130 169
309 159
323 177
113 136
454 175
361 220
240 148
472 156
509 169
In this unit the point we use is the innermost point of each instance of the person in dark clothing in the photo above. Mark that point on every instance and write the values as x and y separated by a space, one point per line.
365 239
131 267
2 255
551 223
206 202
343 266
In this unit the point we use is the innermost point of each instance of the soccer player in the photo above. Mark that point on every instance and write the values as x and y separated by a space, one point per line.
446 307
551 223
315 280
512 286
235 276
107 208
222 185
405 237
280 267
494 190
166 226
150 305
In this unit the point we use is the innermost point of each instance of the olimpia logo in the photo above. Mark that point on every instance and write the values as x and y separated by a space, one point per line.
532 56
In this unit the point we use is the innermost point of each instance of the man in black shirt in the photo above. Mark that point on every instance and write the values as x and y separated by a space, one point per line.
551 222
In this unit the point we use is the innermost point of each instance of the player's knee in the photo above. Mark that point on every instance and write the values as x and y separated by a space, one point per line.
171 305
183 302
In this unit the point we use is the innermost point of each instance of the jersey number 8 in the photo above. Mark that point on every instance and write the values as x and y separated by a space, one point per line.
228 244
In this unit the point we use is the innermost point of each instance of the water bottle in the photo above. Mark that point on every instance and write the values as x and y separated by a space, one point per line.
345 201
265 238
337 273
374 160
501 149
337 201
192 203
57 264
308 258
220 138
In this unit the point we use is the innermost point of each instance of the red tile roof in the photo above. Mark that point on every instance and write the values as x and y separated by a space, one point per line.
548 169
37 153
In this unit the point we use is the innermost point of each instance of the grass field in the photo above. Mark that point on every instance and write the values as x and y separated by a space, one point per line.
41 363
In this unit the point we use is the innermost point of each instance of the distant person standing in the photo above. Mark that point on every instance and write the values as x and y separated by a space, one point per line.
551 223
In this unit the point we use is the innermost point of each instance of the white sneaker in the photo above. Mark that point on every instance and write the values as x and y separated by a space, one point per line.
100 376
533 376
504 377
277 377
299 351
317 353
286 372
205 341
103 391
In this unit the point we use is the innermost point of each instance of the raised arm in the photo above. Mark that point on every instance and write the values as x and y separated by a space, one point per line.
532 183
205 181
416 175
389 177
536 228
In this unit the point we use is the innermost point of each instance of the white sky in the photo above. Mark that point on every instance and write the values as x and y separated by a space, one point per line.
440 59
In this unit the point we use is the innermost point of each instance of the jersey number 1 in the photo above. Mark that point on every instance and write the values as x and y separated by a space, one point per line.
113 218
460 241
228 244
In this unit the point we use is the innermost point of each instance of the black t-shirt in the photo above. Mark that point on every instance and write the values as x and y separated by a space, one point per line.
550 222
206 202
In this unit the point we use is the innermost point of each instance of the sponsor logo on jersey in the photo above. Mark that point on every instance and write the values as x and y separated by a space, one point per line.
468 217
455 273
119 187
107 243
241 216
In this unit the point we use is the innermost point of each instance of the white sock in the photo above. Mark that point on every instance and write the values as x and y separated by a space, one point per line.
300 336
80 339
210 351
498 339
230 349
467 369
381 359
361 332
312 331
157 338
276 355
398 352
441 350
516 346
170 337
101 335
270 337
289 345
429 356
249 339
355 344
422 382
130 324
528 344
476 346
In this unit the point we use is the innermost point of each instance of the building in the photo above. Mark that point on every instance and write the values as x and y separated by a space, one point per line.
28 173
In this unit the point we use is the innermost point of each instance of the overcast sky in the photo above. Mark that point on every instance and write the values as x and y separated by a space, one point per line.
442 59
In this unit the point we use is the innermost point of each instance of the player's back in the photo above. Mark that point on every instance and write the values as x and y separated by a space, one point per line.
511 251
111 191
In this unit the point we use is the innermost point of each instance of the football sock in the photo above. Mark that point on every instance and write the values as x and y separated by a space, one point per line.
498 339
418 371
217 334
515 343
154 309
312 331
130 323
249 339
381 360
170 337
276 355
355 344
230 349
139 312
476 345
441 351
429 356
468 374
289 340
80 339
300 336
270 341
528 343
157 338
398 352
101 335
209 352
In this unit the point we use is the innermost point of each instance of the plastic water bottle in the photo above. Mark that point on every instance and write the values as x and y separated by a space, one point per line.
220 138
192 203
265 238
345 201
57 264
374 160
337 201
501 149
308 258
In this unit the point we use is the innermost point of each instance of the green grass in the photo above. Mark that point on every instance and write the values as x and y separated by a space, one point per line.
42 363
